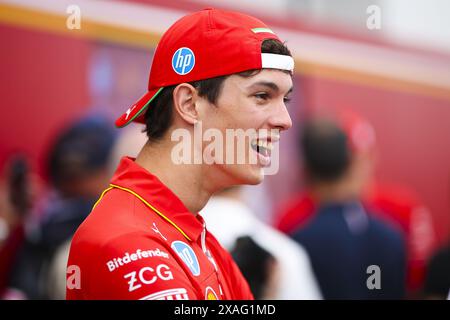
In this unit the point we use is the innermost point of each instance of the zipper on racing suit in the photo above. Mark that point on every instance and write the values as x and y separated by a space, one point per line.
210 257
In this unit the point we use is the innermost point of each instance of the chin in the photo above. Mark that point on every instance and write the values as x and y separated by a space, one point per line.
252 174
242 174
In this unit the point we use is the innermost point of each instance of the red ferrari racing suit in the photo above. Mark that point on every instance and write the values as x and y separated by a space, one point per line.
140 242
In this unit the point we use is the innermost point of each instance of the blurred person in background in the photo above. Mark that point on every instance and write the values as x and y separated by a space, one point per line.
393 203
437 280
130 141
78 172
228 218
259 267
342 238
16 197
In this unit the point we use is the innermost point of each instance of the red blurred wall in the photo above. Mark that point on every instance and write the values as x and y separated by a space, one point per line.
42 85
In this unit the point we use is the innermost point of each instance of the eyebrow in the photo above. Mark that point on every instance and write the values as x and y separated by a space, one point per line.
270 85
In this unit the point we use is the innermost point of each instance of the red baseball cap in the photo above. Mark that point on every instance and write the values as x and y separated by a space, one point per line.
203 45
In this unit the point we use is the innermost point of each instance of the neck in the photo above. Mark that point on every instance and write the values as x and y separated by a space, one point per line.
186 181
341 191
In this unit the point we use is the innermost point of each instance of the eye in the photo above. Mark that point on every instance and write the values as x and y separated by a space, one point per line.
262 96
287 100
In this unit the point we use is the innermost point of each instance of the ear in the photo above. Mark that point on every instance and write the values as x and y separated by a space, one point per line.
184 98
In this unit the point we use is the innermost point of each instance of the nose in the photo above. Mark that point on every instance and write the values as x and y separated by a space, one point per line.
280 119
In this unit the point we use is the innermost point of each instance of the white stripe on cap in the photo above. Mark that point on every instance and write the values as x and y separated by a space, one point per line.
277 61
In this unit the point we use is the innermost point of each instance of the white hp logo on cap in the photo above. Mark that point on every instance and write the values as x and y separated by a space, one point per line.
183 61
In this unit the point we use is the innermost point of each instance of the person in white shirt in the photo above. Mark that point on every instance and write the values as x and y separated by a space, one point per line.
228 218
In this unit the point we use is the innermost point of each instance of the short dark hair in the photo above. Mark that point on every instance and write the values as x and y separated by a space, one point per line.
158 116
80 149
325 150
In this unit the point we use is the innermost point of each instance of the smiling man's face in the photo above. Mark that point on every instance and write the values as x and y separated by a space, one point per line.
258 103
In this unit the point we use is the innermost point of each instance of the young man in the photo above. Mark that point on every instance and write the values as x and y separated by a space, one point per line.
216 70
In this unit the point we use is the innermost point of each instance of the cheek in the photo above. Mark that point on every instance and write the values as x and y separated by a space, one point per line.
249 119
211 117
233 109
234 112
244 116
216 121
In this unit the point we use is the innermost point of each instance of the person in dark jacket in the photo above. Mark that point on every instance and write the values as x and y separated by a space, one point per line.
353 254
437 280
77 166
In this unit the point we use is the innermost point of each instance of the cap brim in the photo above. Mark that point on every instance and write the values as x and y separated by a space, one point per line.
136 111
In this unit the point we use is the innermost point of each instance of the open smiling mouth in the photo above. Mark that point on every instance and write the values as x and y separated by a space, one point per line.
263 148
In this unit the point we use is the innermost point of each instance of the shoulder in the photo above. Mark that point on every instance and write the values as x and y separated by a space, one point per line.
120 257
385 230
114 215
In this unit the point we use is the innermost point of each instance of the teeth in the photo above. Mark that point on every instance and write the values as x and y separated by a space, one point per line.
263 144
